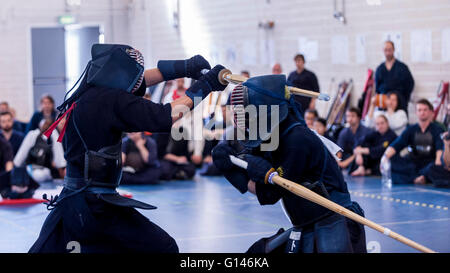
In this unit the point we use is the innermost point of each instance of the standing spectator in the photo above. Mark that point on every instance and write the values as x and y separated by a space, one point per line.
424 146
245 73
310 116
371 149
350 136
305 79
14 137
4 106
43 158
394 76
276 69
140 160
397 117
47 112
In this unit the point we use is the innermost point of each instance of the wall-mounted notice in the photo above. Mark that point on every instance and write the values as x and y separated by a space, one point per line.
249 52
421 50
309 48
445 50
339 49
267 51
360 46
396 38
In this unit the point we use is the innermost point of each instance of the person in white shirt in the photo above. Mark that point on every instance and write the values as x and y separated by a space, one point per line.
398 120
41 167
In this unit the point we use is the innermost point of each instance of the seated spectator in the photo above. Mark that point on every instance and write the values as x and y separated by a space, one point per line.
47 112
310 116
176 93
14 137
14 183
213 137
424 146
140 160
320 126
439 175
350 136
19 126
276 69
397 117
44 159
17 184
176 164
370 150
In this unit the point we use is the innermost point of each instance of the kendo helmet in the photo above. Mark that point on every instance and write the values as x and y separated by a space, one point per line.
117 66
269 96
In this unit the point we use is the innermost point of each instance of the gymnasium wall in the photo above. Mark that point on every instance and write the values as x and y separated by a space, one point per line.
214 28
222 29
16 20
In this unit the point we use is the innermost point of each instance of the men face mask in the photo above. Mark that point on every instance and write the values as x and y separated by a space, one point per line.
116 66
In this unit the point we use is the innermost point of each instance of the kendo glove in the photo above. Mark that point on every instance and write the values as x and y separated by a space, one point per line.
259 170
191 68
205 84
236 176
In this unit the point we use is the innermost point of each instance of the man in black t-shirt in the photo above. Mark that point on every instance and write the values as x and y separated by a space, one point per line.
305 79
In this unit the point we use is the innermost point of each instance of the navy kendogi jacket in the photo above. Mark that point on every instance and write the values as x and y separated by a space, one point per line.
301 157
102 115
398 79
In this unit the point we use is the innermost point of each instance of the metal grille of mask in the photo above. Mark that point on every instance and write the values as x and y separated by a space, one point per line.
139 58
237 100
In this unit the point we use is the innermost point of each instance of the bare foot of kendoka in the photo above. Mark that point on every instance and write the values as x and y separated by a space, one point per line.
420 180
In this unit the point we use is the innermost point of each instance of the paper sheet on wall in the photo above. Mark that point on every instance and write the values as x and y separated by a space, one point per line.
421 48
445 47
396 38
360 45
249 52
309 48
339 49
267 51
230 55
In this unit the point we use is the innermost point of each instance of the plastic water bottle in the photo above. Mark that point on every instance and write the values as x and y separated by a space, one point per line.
385 168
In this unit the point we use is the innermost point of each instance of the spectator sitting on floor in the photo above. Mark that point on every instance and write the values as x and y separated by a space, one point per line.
371 149
439 175
14 182
17 125
398 120
350 136
44 158
14 137
178 92
176 164
276 69
47 112
424 147
140 160
310 116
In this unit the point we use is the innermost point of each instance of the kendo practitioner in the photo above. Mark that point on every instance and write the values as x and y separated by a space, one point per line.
107 103
300 157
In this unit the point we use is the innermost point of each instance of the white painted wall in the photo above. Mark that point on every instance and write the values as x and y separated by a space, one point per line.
211 27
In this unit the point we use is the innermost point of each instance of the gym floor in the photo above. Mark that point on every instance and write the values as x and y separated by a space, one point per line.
209 215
